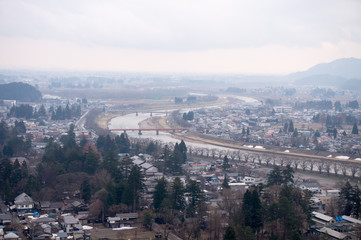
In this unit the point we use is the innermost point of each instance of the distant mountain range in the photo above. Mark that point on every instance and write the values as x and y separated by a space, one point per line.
343 73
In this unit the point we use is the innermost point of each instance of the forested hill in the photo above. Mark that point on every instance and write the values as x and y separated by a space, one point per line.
20 92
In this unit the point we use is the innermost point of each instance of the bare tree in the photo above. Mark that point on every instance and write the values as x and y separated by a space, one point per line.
344 170
213 153
354 170
295 164
320 166
190 150
281 162
304 165
335 168
311 165
246 157
274 161
259 157
253 158
268 160
239 155
328 167
214 228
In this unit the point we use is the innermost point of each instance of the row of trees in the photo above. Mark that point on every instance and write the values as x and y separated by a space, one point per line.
172 160
11 143
69 112
326 104
60 113
169 198
14 177
120 144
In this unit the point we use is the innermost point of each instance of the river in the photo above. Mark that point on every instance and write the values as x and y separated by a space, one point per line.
133 120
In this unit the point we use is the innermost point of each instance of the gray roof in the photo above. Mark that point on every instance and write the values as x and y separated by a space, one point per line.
152 170
138 161
333 233
43 220
70 220
5 216
127 215
23 199
45 204
62 234
146 165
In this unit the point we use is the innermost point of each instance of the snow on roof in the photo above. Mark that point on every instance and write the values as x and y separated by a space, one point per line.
11 235
138 161
146 165
322 217
351 219
333 233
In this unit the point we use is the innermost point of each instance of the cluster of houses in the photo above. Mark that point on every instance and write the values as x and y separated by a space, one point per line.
340 227
44 220
232 121
69 219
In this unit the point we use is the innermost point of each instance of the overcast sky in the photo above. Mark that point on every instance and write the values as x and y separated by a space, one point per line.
252 37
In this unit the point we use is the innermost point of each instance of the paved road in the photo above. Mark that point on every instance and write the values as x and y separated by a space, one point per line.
80 124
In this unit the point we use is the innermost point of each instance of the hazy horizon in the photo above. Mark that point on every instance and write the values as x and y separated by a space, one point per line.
203 37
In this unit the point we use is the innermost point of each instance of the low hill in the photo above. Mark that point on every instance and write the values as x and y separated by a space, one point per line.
336 73
20 92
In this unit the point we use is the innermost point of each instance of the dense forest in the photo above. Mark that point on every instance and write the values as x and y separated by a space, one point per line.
20 92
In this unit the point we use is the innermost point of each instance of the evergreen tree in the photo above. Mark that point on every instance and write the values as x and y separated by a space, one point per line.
135 186
126 165
196 198
85 190
183 149
350 200
123 143
288 175
150 148
334 133
354 129
285 127
275 177
185 116
160 193
177 195
337 106
317 134
295 133
230 234
175 161
91 162
4 131
291 127
225 164
225 184
42 111
252 210
83 141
